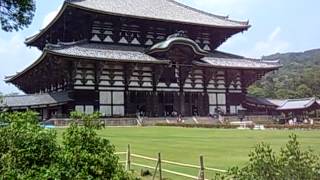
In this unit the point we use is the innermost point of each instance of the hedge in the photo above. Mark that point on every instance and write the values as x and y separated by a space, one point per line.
229 126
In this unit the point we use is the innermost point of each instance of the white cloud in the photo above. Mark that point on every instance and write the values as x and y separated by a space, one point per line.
15 56
273 44
7 47
274 34
49 17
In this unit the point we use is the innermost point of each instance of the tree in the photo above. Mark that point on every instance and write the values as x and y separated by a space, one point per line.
256 91
292 163
29 151
304 91
87 156
16 14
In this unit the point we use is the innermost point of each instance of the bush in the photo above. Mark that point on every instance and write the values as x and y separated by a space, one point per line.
87 156
291 163
28 151
218 126
26 148
286 126
230 126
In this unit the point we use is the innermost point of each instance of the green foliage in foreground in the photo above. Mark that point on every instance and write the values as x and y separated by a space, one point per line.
28 151
291 163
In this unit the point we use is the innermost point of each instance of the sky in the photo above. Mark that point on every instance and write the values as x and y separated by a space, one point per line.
277 26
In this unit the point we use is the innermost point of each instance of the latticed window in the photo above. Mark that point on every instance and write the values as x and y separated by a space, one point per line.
112 103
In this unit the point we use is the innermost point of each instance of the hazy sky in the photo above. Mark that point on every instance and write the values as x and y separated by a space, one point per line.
277 26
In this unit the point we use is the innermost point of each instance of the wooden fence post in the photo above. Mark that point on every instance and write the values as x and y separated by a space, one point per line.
128 162
160 169
201 173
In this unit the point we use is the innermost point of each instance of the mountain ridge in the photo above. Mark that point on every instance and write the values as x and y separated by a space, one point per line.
298 78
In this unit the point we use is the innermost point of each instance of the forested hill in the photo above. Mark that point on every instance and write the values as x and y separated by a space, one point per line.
298 78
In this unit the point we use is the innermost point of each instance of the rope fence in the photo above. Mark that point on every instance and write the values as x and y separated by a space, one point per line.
159 162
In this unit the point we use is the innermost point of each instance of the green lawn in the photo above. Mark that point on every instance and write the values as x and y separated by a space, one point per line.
221 148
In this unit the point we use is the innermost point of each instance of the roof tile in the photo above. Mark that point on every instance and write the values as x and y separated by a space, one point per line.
168 10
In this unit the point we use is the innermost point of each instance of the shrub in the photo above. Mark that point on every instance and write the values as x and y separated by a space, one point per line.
291 163
87 156
28 151
230 126
218 126
26 148
286 126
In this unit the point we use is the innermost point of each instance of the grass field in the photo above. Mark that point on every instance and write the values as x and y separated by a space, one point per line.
221 148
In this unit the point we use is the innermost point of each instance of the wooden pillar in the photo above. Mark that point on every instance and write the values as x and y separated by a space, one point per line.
182 103
160 167
202 108
156 75
155 105
202 168
228 80
149 103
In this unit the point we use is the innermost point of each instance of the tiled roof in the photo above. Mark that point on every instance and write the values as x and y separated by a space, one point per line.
24 101
104 52
165 10
94 51
225 60
166 45
123 53
277 102
137 54
296 104
285 105
260 101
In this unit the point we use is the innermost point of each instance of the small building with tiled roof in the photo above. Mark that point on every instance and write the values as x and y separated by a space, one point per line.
286 106
120 57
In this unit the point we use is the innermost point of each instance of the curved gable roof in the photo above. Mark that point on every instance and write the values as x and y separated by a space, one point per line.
159 10
167 10
166 45
92 51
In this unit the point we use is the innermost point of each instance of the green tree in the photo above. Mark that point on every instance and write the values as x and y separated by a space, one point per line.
304 91
286 94
300 74
16 14
29 151
256 91
86 155
292 163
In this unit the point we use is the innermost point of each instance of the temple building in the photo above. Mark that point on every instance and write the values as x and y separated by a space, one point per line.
120 57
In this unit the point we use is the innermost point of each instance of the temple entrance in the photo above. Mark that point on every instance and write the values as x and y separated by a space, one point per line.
166 104
169 110
193 104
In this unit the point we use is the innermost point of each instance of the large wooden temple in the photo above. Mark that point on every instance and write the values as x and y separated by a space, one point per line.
120 57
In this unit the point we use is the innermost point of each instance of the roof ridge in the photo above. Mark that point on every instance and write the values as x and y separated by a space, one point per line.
226 18
61 44
24 95
301 99
231 54
274 61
